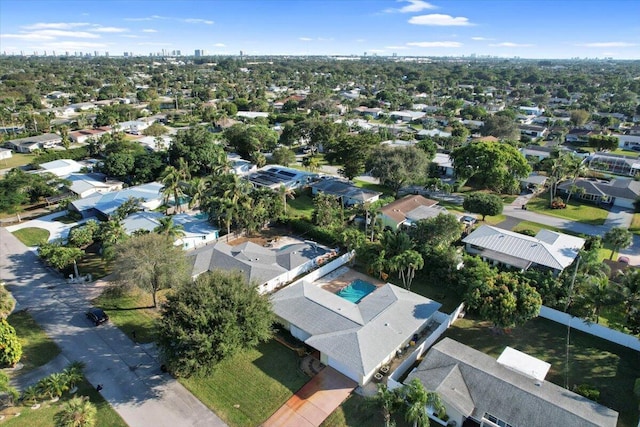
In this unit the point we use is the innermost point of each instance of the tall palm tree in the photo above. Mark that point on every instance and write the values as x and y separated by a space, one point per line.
77 412
198 189
618 238
576 170
388 401
286 193
168 228
417 400
172 180
406 265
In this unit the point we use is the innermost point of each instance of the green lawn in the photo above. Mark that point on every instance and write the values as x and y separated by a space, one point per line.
246 389
635 224
535 227
44 416
493 220
608 366
37 347
17 159
575 210
354 412
92 263
32 236
300 207
130 312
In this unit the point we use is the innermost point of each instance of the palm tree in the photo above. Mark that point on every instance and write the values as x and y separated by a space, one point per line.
406 265
618 238
172 185
168 228
53 385
77 412
30 395
73 374
575 171
197 190
388 401
286 193
596 293
418 400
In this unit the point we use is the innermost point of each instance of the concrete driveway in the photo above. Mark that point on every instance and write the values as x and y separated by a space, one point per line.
130 375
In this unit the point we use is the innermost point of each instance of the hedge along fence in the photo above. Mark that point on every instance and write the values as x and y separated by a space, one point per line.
313 232
72 153
594 329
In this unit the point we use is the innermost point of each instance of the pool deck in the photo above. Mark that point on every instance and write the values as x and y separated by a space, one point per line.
343 276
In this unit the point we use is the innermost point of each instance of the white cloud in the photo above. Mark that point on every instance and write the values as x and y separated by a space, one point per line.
197 21
147 18
220 45
480 38
305 39
437 19
608 44
130 36
510 44
396 47
55 25
435 44
27 36
110 30
149 30
413 6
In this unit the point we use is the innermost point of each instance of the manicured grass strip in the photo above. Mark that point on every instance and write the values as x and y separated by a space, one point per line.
37 348
575 210
386 191
44 416
130 312
246 389
32 236
608 366
535 227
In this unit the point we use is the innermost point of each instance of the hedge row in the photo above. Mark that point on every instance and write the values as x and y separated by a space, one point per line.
51 155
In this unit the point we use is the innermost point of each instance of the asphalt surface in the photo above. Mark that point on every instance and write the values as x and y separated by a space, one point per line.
130 375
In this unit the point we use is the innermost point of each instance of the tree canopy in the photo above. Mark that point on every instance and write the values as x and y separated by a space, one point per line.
209 319
396 167
483 204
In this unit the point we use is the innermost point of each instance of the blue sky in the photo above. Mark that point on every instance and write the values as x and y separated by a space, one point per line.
506 28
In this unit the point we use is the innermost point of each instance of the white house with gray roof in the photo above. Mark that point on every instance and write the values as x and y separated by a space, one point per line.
356 339
478 390
104 205
547 250
266 267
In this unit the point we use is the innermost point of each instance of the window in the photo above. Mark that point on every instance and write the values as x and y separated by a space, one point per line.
494 421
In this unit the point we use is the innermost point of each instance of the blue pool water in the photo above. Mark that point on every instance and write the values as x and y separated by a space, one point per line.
356 290
202 215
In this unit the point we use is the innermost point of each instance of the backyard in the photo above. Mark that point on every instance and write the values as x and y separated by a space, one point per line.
575 210
608 366
17 159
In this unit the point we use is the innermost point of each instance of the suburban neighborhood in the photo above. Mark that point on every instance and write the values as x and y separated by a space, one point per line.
317 240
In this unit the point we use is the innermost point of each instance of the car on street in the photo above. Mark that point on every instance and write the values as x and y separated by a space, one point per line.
97 316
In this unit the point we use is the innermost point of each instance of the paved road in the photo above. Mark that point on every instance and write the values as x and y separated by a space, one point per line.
130 375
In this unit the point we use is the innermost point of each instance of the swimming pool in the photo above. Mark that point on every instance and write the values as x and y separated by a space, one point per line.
356 290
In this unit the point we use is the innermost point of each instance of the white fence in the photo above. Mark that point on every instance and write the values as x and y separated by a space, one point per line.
591 328
445 321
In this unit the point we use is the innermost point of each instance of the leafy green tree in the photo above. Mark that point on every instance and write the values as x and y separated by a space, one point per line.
483 204
629 281
501 127
84 235
246 140
156 129
10 347
493 165
395 167
59 256
440 231
210 319
151 263
326 210
77 412
505 299
593 293
618 238
283 156
475 274
352 152
198 148
429 146
579 117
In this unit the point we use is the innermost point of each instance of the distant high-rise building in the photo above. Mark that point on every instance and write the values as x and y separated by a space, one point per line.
106 54
178 53
126 54
199 52
241 53
95 53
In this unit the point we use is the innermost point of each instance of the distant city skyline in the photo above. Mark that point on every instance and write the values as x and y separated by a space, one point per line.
521 28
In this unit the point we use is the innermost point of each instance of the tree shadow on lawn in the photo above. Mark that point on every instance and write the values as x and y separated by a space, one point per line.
281 364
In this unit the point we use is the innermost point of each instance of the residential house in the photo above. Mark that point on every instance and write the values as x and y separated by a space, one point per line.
407 115
408 210
578 135
62 167
196 231
5 153
478 390
32 143
614 163
104 205
534 131
629 142
621 192
268 268
155 143
134 127
252 114
276 176
532 111
430 133
366 111
445 164
344 190
540 152
356 339
548 250
85 184
83 135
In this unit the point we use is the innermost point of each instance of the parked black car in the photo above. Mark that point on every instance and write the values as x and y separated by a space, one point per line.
97 316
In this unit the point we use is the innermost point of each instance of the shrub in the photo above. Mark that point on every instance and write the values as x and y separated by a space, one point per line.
558 203
30 395
313 232
527 232
588 391
10 347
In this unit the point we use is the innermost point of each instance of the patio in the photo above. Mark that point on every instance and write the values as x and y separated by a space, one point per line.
343 276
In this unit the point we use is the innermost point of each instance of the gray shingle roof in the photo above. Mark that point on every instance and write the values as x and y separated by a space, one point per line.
624 188
358 336
475 383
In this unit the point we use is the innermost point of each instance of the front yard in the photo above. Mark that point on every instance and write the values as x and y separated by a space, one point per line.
37 347
608 366
32 236
575 210
246 389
